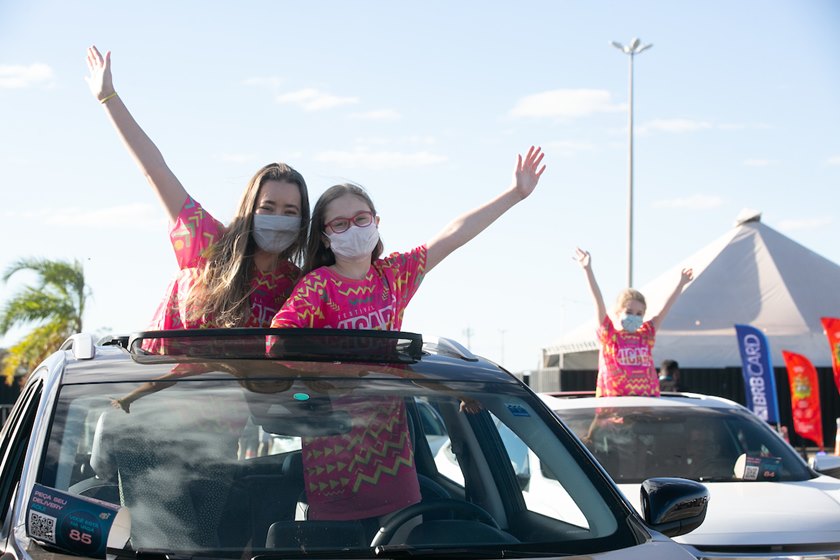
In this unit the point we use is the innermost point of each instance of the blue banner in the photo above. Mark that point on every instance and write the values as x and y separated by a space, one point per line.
759 381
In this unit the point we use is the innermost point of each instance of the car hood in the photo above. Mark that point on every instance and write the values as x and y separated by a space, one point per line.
759 513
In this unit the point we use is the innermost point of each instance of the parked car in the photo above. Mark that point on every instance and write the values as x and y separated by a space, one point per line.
115 448
766 502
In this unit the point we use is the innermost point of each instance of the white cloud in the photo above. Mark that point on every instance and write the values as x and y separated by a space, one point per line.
757 162
314 100
361 158
804 223
565 103
17 77
379 115
673 125
135 216
695 202
833 160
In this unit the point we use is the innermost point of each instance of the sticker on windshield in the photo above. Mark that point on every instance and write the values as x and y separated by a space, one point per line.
75 523
757 468
518 410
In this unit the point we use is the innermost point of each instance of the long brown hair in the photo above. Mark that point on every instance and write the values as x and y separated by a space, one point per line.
223 289
318 254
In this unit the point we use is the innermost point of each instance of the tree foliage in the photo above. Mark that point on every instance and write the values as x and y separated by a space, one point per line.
54 305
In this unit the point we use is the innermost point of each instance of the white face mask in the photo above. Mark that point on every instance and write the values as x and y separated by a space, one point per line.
355 242
274 233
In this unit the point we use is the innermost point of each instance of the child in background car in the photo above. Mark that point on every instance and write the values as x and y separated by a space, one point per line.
348 286
230 276
625 359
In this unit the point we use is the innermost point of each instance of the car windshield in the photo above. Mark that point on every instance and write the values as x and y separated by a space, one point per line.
306 458
704 444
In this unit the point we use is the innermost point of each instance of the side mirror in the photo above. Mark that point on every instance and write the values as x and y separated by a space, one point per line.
673 506
826 464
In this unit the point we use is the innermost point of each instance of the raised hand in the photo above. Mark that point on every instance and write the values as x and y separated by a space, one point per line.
686 276
528 171
99 81
582 257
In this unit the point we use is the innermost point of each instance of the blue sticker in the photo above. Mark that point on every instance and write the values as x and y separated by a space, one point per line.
300 397
518 410
77 524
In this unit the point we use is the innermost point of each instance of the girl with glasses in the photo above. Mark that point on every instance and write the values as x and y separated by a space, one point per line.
348 286
344 249
237 275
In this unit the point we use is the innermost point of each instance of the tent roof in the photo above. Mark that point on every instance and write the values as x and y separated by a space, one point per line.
751 275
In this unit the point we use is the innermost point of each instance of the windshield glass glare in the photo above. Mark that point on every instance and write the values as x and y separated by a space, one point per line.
327 463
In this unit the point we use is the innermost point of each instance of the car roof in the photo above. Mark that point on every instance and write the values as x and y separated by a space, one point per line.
114 359
584 400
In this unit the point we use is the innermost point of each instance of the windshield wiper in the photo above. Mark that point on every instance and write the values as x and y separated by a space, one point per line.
402 551
155 554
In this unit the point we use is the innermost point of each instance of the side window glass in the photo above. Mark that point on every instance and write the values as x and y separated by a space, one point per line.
541 490
15 441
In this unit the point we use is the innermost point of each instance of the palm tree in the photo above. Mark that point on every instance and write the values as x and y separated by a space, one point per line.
56 305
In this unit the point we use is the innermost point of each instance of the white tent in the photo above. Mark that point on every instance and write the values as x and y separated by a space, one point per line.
751 275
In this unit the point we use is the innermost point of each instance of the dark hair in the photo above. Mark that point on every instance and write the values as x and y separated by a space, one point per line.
224 287
670 367
317 253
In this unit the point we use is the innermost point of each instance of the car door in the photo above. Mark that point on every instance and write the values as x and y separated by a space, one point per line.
14 441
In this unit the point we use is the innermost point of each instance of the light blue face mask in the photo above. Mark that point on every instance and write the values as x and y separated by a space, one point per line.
631 323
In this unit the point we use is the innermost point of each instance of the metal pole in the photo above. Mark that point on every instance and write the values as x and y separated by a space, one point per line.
630 185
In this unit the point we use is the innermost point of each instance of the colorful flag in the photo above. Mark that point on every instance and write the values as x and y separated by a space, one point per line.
832 331
804 397
759 381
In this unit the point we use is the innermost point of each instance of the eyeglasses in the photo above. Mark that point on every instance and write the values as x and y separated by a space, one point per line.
340 225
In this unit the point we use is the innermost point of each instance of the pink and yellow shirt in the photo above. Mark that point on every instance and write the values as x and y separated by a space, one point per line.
192 234
370 470
625 362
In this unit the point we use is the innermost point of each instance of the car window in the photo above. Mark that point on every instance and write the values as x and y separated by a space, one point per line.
16 434
178 458
636 443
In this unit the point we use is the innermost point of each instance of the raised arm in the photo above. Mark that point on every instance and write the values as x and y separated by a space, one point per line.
148 158
686 276
461 230
585 261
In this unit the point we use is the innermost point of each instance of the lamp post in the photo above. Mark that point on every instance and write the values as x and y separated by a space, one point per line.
631 50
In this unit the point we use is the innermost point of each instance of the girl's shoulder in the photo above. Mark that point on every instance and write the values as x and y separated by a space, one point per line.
415 257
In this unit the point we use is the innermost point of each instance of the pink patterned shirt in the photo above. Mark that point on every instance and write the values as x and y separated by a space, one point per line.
193 232
370 470
625 362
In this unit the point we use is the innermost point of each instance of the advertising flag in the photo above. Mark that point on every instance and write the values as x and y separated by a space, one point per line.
832 331
759 381
804 397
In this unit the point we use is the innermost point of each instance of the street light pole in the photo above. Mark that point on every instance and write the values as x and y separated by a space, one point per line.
631 50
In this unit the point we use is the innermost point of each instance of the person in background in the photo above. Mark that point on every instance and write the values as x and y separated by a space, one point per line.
625 360
669 376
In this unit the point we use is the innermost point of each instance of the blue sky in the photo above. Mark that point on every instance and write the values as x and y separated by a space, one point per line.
426 104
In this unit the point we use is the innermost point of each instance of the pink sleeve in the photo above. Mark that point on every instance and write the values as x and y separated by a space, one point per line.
408 271
606 329
192 233
303 308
